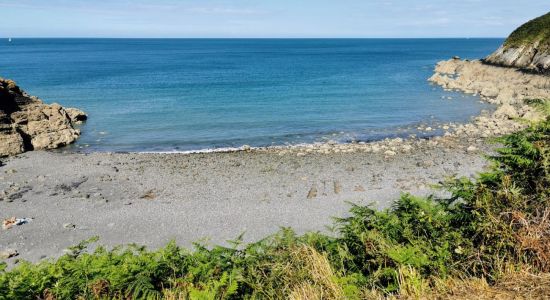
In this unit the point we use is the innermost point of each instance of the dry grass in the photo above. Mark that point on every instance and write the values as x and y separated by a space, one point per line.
514 285
317 277
534 236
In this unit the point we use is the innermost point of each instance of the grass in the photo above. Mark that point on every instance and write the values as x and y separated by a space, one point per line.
489 238
533 31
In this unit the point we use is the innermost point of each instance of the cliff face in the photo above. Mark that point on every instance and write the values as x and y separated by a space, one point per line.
528 47
26 123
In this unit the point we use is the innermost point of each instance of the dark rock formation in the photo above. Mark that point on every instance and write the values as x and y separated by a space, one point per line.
26 123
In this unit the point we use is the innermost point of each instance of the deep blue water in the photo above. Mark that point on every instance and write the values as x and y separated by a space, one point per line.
190 94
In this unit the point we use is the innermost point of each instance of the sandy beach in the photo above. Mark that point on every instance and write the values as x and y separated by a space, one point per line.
150 199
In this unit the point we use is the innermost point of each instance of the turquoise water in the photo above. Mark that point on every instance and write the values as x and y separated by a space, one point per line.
191 94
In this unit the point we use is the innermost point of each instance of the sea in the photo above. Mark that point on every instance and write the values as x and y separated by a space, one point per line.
178 95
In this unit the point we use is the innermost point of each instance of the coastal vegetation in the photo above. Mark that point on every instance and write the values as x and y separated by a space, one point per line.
536 30
488 237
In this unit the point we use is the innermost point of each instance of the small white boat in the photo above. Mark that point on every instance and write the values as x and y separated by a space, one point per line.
9 40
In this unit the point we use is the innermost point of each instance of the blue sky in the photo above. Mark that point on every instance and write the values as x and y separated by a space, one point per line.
275 18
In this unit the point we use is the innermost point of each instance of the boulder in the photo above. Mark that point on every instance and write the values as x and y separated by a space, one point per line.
506 111
26 123
11 144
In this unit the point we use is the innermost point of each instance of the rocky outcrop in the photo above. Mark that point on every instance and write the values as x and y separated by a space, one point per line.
494 84
529 57
528 47
26 123
505 87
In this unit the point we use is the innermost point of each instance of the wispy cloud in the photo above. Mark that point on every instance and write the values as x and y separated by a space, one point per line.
226 10
182 18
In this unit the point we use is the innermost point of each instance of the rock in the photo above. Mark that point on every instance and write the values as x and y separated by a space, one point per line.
506 111
26 123
337 187
69 226
76 115
506 96
528 47
490 91
246 148
359 188
8 253
149 195
312 192
11 144
390 153
528 56
472 149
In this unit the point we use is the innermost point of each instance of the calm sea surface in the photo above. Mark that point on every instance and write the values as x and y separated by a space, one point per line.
192 94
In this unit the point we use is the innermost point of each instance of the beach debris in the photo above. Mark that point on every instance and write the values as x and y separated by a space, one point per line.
11 171
246 148
8 253
359 188
149 195
312 192
337 187
13 221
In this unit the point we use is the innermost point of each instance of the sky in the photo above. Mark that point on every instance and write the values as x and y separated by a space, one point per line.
266 18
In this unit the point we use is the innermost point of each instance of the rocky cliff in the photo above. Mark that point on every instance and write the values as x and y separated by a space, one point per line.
528 47
26 123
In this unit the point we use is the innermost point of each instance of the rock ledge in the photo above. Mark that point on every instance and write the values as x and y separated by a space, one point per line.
26 123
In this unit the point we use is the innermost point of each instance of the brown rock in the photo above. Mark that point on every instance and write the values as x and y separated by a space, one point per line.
9 253
76 115
11 144
312 192
337 187
359 188
26 123
506 111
